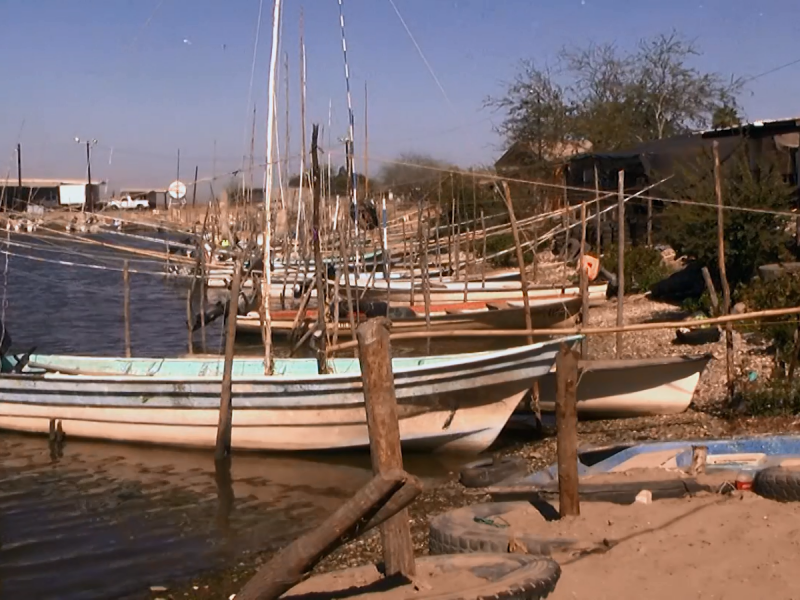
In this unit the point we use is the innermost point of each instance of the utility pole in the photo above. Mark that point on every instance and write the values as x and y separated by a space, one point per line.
19 166
89 198
19 169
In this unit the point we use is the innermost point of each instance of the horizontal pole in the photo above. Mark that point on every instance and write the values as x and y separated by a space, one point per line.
413 335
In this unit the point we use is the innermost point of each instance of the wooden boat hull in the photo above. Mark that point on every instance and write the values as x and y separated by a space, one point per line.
545 314
457 403
631 388
597 295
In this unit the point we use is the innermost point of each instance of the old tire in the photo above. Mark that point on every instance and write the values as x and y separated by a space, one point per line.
698 336
457 532
778 483
505 577
489 471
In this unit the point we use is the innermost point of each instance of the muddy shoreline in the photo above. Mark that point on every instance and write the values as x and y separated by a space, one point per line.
708 417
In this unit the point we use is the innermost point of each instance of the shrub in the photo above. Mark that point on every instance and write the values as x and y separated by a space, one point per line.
643 267
776 398
781 292
751 239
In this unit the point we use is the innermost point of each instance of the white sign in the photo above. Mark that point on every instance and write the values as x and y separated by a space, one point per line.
72 195
177 189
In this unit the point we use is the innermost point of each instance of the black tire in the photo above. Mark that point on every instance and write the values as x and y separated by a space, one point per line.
778 483
506 577
457 532
699 336
489 471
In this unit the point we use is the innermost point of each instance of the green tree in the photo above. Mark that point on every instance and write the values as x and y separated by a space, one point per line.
411 171
751 238
725 116
612 98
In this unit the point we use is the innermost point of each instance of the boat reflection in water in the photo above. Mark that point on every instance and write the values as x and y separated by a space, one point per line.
92 520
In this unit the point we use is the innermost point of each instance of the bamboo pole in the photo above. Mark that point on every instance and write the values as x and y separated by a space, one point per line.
584 284
203 311
345 264
189 320
126 306
483 256
482 333
620 258
426 289
726 290
438 223
598 223
319 265
267 279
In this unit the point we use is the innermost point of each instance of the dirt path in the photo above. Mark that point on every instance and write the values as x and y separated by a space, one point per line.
732 547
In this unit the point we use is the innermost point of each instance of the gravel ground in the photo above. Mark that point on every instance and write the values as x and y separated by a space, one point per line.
707 417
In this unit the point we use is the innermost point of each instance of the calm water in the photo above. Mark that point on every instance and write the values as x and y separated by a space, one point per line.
91 520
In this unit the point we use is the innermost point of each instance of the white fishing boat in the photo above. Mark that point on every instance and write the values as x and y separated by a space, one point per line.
610 389
401 292
457 403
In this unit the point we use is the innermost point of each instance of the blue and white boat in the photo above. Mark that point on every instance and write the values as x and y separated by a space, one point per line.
456 403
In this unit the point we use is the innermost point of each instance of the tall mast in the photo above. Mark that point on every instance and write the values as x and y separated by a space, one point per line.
350 144
267 279
302 133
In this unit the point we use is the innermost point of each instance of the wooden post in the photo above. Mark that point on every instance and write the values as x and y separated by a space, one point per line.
523 279
223 447
567 431
620 258
584 284
319 265
726 290
126 306
649 222
712 293
598 221
384 436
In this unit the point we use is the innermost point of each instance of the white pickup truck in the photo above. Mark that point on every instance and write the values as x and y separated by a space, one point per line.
128 203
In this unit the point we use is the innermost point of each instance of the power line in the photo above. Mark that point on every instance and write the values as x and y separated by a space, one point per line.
771 71
421 54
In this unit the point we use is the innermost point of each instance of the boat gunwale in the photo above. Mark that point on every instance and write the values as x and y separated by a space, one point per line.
442 362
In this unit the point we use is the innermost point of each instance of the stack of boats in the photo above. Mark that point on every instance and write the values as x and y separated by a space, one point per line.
451 402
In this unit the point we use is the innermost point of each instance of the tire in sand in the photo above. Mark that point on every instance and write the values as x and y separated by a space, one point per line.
778 483
483 528
467 577
489 471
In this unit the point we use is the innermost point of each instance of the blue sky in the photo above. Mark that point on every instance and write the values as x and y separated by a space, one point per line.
146 77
